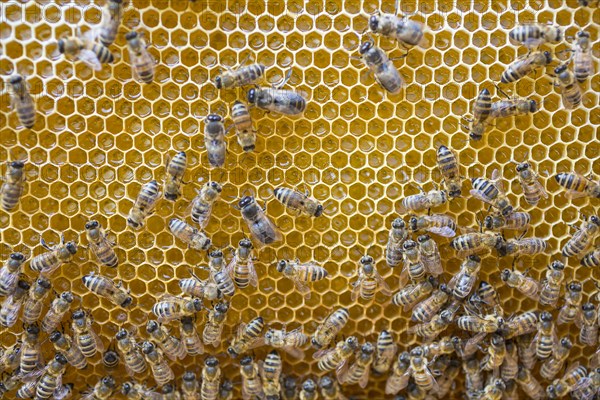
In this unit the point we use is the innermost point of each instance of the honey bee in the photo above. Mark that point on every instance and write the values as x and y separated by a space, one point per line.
476 129
471 323
298 201
526 352
329 328
462 283
424 200
100 245
519 324
261 227
243 76
439 224
175 168
112 13
533 190
291 342
557 359
400 375
22 102
103 390
430 330
337 357
189 235
169 344
525 65
51 378
32 308
251 384
385 353
309 390
430 255
301 273
201 206
583 238
219 273
142 63
277 100
493 390
226 390
108 289
214 324
591 259
369 281
578 186
510 366
446 382
10 357
64 344
582 57
247 337
383 69
588 334
412 293
190 386
27 389
84 48
136 391
241 268
192 343
482 106
570 382
397 237
86 339
545 340
9 311
428 308
170 393
211 376
407 32
550 286
534 35
358 372
449 166
288 388
330 390
144 204
31 351
569 89
473 377
245 131
47 263
9 274
172 307
196 287
474 242
512 107
132 356
515 221
529 384
492 192
270 373
444 346
420 370
524 284
161 371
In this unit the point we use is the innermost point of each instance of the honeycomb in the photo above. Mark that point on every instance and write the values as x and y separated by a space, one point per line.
100 135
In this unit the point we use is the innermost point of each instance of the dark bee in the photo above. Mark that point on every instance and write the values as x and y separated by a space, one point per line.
383 69
142 63
525 65
278 100
298 201
261 227
21 101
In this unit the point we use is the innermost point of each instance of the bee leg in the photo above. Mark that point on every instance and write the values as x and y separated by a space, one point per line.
501 91
285 79
44 245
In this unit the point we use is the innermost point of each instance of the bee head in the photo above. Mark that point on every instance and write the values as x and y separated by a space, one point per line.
131 35
499 383
281 265
126 388
147 347
326 382
108 381
374 22
269 334
216 254
215 186
32 329
227 385
309 385
232 353
417 352
488 222
595 220
560 69
61 46
17 164
532 106
497 340
55 336
45 283
366 46
566 342
218 82
522 167
315 344
352 342
548 57
506 211
409 245
505 274
91 224
588 307
246 360
189 376
423 238
197 304
122 334
367 348
222 307
110 356
246 201
133 224
71 247
151 326
545 316
319 211
17 256
78 314
252 96
15 79
575 286
366 260
211 362
214 118
455 193
398 223
246 243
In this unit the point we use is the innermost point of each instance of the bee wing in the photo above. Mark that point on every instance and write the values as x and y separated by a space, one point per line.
479 195
99 344
364 379
89 58
356 288
571 194
231 266
403 276
294 352
444 231
302 287
471 344
253 275
322 353
538 185
581 384
435 268
342 370
383 286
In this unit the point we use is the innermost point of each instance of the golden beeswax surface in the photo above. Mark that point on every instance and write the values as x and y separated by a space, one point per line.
100 135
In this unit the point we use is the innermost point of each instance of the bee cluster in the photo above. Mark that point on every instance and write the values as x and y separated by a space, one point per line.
461 324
